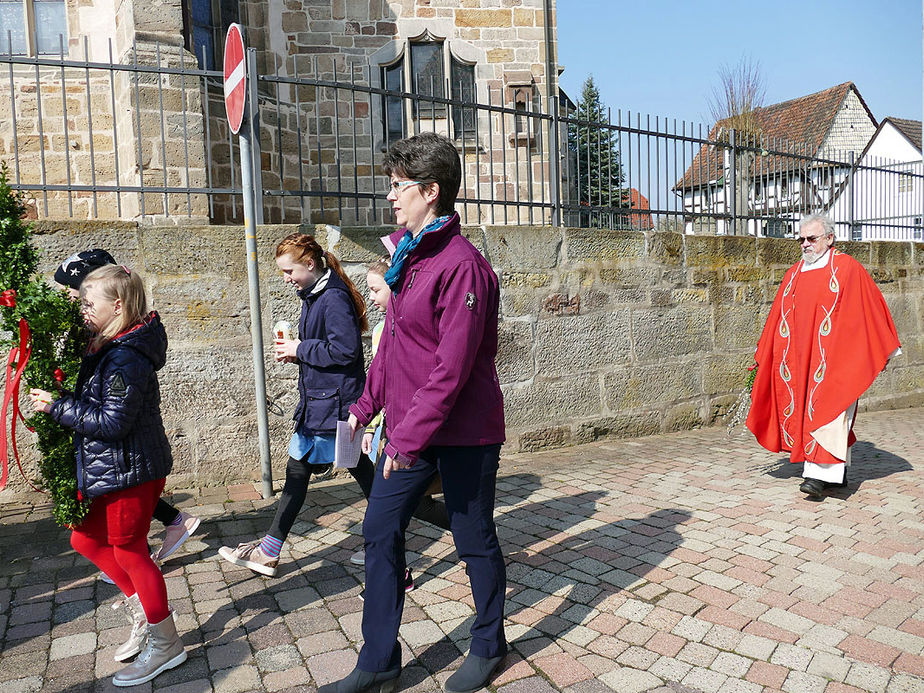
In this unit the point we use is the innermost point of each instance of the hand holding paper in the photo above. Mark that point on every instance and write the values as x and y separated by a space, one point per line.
347 446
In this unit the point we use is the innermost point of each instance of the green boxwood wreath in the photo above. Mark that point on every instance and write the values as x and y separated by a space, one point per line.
58 343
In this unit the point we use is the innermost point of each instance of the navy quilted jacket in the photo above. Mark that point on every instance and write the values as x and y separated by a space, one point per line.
115 413
330 358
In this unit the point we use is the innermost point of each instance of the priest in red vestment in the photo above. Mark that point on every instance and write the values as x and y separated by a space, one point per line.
828 335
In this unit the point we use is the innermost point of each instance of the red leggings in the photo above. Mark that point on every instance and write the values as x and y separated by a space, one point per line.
131 568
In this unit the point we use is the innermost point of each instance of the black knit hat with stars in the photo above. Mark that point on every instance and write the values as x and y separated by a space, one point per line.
75 269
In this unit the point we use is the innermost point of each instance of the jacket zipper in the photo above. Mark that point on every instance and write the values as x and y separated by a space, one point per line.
83 470
126 465
410 283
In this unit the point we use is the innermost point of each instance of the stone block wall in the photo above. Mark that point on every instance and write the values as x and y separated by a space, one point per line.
323 138
107 128
602 333
42 147
164 130
166 138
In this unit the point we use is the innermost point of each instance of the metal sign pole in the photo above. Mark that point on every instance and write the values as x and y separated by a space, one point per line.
235 85
256 321
253 112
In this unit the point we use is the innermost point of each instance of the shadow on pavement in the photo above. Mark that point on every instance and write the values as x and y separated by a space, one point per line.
867 463
563 573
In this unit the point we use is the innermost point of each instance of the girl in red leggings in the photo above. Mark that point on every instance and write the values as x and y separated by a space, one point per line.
123 458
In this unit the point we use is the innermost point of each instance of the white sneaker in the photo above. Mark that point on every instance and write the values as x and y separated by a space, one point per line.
105 578
358 558
176 536
326 472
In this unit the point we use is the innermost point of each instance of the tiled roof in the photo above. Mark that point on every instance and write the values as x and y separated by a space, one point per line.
638 201
806 120
909 128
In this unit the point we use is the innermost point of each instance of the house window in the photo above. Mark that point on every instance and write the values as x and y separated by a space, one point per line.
905 183
522 94
205 23
824 178
33 27
423 67
776 228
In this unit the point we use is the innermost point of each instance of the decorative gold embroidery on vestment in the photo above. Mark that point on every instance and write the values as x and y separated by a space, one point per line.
824 330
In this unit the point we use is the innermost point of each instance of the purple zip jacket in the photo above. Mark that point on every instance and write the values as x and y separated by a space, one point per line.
436 356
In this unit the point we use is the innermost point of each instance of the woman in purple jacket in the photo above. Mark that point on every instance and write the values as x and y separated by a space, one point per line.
434 374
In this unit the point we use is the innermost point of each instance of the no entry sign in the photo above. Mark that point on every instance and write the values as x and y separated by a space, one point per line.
235 77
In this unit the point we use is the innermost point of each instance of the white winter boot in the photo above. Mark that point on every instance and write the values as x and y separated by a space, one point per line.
163 650
135 642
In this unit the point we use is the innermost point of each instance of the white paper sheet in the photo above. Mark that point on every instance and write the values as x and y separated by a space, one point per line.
347 449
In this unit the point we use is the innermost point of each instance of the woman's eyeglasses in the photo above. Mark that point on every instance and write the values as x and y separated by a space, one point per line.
397 186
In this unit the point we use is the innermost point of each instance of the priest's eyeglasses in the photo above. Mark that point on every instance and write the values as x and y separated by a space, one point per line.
811 239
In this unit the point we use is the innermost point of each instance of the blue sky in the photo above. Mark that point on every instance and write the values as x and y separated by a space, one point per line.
662 57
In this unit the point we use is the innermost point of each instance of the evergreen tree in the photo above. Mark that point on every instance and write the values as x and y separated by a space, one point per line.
596 169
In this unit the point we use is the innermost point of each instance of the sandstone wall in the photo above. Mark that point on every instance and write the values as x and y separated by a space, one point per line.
602 333
317 139
94 128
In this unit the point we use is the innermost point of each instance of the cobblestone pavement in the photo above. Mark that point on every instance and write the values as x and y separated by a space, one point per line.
687 562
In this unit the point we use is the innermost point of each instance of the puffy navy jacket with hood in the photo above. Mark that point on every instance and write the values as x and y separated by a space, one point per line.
115 413
331 375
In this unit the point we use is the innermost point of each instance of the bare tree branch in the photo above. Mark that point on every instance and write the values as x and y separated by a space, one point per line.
740 92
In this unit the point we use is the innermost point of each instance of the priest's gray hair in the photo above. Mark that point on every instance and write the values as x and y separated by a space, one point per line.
822 219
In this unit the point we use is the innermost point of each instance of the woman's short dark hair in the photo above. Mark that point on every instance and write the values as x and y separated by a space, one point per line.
428 158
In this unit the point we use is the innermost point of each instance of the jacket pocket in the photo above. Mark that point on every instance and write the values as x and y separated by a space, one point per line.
123 456
321 409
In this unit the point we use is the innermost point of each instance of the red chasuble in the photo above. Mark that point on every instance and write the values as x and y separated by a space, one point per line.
828 335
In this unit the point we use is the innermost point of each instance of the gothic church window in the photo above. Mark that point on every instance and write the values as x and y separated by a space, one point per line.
33 27
205 23
422 70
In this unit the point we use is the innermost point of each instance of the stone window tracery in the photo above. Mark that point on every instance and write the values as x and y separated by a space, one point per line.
421 68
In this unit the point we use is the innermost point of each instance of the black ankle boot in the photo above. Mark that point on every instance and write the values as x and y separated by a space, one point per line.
813 488
473 674
359 681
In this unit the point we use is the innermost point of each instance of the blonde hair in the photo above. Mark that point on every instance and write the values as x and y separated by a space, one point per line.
117 282
379 267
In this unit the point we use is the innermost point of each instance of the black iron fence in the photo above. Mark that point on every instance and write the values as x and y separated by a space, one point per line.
146 138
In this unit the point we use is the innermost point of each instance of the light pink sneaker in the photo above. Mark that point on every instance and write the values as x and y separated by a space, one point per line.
176 535
250 556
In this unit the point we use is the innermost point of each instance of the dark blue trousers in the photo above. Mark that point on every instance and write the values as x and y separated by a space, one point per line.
469 478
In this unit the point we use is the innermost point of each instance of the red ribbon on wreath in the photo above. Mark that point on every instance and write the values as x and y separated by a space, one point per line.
19 355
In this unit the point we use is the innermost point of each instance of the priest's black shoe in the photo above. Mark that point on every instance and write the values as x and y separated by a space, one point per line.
473 674
359 681
813 488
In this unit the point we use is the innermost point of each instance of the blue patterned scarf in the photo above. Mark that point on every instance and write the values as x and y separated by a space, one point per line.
407 243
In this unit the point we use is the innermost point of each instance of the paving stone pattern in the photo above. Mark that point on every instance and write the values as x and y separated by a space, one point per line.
682 563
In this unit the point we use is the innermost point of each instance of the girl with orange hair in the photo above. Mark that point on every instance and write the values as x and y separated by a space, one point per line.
331 376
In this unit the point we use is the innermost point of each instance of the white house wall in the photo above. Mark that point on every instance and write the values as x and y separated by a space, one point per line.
886 205
851 130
